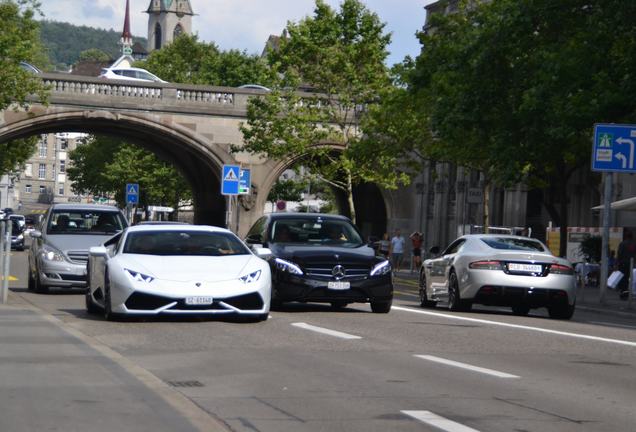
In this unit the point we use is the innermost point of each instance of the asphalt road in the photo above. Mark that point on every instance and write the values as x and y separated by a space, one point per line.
310 368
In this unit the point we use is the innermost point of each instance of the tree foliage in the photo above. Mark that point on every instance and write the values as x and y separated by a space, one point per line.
19 41
513 88
65 42
187 60
94 54
104 165
339 56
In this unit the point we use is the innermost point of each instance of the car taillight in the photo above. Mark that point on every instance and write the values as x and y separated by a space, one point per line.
486 265
561 269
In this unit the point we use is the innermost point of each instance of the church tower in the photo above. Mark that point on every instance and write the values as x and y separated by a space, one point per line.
126 41
167 19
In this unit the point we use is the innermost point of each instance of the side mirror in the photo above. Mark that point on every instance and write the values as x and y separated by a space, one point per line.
434 250
36 234
98 251
262 252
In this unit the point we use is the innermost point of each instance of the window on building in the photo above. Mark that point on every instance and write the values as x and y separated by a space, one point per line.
27 188
63 144
28 170
62 166
158 40
61 189
42 189
43 147
178 31
42 171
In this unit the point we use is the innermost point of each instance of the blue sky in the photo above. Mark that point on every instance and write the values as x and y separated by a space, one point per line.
242 24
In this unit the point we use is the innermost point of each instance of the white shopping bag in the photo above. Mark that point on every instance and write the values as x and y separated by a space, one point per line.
614 279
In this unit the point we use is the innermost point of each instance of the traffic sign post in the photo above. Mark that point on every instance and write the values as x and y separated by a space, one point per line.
230 179
612 151
245 182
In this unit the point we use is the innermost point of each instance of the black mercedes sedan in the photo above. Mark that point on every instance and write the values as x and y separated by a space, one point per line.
322 258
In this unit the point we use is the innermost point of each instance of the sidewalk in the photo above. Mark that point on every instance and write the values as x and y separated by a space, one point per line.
52 379
587 297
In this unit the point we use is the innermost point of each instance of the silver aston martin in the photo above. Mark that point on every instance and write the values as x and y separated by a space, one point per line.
499 270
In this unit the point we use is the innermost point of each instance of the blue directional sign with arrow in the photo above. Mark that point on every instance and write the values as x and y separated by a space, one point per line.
230 179
613 149
132 193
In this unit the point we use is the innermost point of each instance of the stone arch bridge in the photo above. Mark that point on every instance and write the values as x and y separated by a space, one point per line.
191 127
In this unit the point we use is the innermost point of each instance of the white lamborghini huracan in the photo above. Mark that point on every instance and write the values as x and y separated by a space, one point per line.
177 269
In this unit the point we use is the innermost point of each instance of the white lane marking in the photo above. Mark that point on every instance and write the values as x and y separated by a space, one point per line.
466 366
325 331
518 326
442 423
613 324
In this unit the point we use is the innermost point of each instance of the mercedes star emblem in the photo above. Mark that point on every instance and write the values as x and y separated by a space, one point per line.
338 272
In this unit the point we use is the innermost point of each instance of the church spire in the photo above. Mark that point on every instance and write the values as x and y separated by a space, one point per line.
126 37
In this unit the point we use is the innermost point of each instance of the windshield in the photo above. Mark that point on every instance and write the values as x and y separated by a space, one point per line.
184 242
315 231
85 222
509 243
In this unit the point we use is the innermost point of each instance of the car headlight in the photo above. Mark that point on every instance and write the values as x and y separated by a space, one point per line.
381 268
139 277
50 254
252 277
288 267
20 237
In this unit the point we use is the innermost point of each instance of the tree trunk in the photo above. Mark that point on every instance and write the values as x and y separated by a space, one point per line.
486 205
349 192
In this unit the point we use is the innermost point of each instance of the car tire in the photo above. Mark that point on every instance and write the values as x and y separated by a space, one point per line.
455 303
31 282
254 318
424 301
37 285
521 310
381 307
564 312
91 307
108 306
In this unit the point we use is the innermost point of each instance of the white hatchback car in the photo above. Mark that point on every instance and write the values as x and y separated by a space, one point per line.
129 74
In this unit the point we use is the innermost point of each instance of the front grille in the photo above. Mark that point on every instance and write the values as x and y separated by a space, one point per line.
72 277
324 271
78 257
143 301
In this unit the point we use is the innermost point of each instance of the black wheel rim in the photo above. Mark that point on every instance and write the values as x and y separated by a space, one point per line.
452 291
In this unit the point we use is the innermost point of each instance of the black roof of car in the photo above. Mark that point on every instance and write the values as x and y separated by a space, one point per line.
295 215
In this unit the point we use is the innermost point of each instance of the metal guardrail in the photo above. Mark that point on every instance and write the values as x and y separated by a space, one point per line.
5 253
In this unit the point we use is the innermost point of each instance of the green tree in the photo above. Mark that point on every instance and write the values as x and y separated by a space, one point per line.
94 54
513 89
187 60
19 41
340 57
104 165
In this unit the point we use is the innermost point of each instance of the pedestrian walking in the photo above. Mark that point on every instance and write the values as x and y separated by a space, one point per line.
397 249
416 250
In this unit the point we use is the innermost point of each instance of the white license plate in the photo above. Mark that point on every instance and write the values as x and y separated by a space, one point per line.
199 300
528 268
338 285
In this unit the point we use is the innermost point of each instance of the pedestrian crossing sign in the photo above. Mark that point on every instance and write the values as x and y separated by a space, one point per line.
230 179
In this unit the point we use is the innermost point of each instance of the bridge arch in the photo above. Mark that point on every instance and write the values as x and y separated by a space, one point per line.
192 155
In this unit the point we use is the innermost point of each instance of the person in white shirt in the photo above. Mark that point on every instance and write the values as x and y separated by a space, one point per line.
397 249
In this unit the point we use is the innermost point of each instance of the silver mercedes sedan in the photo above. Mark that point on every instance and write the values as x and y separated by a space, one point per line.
499 270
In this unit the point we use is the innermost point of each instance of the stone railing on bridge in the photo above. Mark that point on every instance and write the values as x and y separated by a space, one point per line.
162 97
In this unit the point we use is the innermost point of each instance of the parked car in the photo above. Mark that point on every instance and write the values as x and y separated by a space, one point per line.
30 68
173 269
254 87
322 258
59 249
19 218
499 270
129 74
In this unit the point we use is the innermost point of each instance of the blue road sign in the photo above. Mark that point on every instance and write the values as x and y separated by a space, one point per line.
613 149
244 182
132 193
230 179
